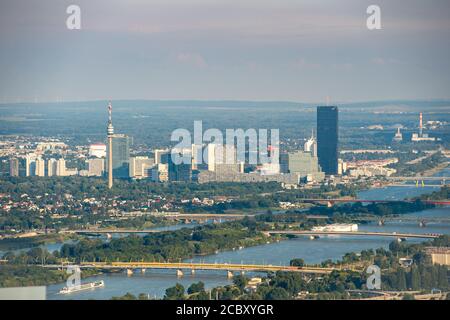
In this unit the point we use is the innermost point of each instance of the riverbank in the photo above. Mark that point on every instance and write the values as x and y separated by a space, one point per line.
25 275
431 172
11 244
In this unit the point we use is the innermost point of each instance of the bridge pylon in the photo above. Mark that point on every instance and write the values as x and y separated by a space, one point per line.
230 275
179 273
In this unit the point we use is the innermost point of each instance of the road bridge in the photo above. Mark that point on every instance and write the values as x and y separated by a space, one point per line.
418 178
343 200
352 233
179 266
204 216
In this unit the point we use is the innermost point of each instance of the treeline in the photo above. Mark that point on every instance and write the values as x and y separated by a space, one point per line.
25 276
127 189
442 194
379 209
163 246
417 278
426 164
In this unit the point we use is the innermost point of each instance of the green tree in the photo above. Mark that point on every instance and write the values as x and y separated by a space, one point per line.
196 287
408 296
443 277
175 293
415 278
277 294
297 262
401 279
240 281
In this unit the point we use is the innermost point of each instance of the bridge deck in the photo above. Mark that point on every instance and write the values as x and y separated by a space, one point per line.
199 266
356 233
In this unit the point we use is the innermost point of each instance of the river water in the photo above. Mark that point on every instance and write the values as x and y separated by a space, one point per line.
154 282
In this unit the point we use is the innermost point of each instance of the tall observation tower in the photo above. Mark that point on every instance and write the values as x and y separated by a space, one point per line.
110 153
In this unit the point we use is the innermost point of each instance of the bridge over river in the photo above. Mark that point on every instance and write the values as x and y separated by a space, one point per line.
352 233
179 266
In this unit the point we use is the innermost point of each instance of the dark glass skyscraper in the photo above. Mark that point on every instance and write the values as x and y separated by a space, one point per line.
327 138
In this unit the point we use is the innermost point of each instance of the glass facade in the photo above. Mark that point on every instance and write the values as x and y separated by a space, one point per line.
327 138
121 155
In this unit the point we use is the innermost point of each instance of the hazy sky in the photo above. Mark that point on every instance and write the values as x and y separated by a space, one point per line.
299 50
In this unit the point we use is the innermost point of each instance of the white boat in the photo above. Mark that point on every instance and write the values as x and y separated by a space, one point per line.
82 287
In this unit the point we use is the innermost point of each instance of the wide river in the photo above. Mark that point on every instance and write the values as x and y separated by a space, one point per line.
154 282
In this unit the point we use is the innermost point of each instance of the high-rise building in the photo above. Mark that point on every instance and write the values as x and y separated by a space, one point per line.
140 167
30 165
14 167
96 167
120 145
61 167
159 153
97 150
342 166
51 167
178 171
197 157
311 145
40 167
222 159
160 173
302 163
327 138
211 157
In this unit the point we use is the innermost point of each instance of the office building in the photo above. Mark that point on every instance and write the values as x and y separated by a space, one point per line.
160 173
96 167
311 145
51 167
120 155
140 167
302 163
197 158
14 167
178 171
97 150
61 167
222 159
40 167
327 138
342 167
30 164
158 153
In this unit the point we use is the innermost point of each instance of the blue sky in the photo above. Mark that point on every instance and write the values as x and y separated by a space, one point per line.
224 49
